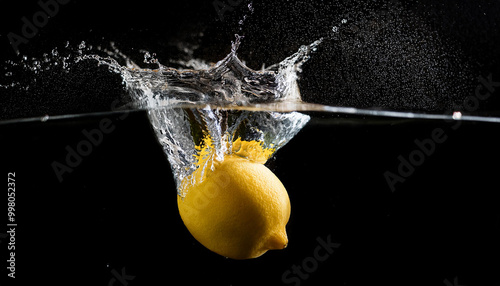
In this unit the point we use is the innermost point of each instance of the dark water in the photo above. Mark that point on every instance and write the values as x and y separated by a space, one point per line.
115 212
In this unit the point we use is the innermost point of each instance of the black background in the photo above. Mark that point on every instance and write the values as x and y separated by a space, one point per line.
117 209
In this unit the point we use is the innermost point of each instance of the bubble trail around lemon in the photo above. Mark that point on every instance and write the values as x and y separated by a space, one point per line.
235 207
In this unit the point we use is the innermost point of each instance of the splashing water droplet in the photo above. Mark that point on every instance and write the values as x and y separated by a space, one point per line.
82 45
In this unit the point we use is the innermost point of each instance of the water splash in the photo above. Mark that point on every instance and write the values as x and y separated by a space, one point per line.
194 109
227 82
209 122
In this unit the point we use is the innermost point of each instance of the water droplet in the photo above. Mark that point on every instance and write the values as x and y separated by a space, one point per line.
82 45
457 115
45 118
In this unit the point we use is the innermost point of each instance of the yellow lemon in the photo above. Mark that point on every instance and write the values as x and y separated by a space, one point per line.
239 209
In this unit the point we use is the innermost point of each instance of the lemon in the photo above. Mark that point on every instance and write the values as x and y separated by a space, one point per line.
240 209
